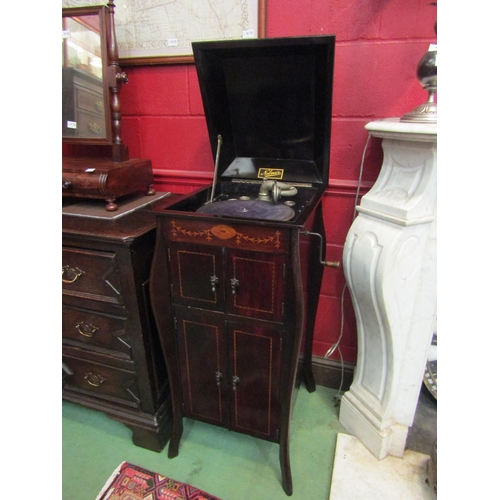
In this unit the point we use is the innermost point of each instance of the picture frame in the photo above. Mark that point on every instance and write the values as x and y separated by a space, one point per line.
150 32
164 33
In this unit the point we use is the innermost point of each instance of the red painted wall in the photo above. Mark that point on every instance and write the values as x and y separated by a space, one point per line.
379 43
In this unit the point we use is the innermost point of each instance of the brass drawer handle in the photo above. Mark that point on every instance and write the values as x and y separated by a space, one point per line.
94 380
236 381
95 128
99 106
86 329
218 378
74 272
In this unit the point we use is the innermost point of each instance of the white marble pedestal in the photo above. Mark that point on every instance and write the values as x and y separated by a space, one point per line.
358 475
389 263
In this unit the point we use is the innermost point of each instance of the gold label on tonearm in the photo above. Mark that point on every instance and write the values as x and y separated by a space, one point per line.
270 173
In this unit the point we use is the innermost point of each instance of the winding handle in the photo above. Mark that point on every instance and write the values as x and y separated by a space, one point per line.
328 263
332 263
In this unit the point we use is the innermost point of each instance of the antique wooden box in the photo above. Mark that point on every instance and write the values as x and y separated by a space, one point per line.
102 178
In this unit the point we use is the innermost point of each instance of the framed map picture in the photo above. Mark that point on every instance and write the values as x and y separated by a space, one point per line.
161 31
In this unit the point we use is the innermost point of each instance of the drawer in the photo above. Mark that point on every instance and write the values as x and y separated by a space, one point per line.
103 381
89 101
95 330
92 184
91 274
90 124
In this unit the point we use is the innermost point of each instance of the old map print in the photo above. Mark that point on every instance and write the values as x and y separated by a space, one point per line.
165 28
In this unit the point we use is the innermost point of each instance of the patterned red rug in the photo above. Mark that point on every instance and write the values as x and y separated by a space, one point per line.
130 482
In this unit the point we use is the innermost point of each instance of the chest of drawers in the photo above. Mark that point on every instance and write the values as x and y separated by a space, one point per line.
112 359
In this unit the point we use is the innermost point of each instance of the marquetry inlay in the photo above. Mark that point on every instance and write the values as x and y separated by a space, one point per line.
225 232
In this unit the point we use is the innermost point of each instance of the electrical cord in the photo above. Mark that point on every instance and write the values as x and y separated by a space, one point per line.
360 177
335 346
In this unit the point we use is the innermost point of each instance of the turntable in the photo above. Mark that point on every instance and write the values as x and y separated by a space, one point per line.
238 265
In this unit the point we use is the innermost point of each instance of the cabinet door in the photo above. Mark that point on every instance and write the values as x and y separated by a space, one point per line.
254 284
202 360
254 367
197 275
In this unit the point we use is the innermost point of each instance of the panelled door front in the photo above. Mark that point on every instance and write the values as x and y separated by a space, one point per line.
254 368
197 275
229 368
203 359
254 284
230 372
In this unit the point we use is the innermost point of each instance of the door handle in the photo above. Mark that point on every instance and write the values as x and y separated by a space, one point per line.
234 285
214 281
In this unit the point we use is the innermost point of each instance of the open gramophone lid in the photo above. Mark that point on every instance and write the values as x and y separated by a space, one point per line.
270 100
251 209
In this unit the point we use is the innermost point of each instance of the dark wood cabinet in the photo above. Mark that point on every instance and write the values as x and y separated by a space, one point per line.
235 301
227 364
237 267
112 360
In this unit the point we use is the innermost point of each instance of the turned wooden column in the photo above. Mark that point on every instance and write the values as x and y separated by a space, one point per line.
390 266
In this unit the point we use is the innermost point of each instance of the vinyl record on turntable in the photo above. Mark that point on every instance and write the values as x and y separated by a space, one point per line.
252 209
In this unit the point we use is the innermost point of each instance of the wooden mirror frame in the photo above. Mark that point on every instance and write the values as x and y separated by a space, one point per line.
112 79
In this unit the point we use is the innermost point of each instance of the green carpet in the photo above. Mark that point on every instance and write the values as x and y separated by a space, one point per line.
226 464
